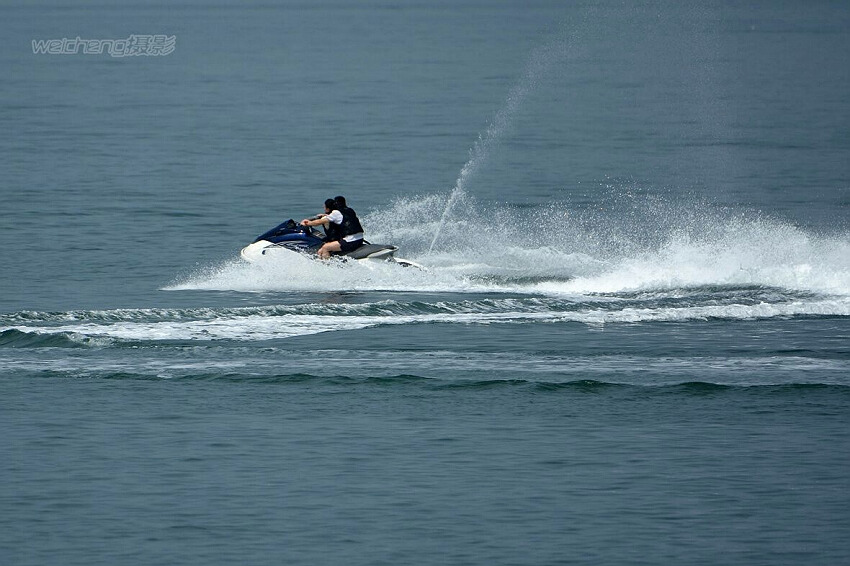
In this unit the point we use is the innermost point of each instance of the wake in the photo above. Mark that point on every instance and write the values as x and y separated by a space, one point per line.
626 245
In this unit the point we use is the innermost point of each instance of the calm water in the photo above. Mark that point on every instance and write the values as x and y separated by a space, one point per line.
631 344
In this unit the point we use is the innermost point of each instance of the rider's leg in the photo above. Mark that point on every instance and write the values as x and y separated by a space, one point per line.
326 249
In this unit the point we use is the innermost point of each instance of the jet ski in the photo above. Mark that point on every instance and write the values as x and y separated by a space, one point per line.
291 237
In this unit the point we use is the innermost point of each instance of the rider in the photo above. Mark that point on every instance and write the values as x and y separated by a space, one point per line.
343 232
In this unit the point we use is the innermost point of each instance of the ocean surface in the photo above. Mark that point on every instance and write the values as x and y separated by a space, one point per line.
629 344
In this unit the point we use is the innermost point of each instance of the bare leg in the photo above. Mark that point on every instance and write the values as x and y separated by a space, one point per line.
326 249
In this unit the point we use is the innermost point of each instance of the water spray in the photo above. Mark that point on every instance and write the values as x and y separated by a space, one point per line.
542 59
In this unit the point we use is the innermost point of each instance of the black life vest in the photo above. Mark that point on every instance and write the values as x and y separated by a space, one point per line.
350 223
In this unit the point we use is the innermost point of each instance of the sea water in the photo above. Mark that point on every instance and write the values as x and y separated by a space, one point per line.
628 344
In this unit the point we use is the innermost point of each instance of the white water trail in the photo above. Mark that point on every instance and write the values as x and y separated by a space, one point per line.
542 61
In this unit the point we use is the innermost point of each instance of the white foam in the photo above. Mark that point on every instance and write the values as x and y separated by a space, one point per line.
296 273
637 245
746 255
653 246
231 325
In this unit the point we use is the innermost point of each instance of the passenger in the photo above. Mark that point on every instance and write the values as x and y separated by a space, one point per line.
351 230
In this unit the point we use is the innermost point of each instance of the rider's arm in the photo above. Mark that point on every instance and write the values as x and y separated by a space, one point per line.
315 221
